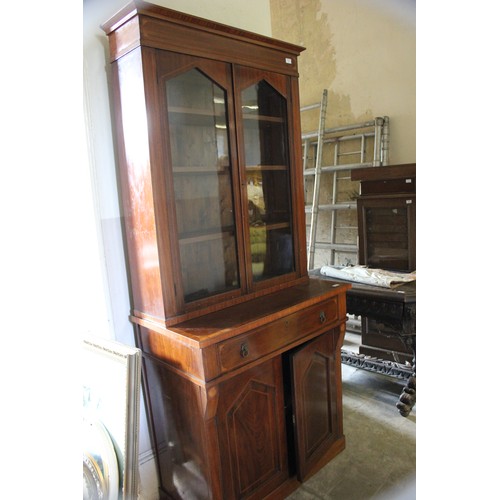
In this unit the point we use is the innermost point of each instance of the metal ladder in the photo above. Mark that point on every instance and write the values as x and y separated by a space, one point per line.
307 142
337 139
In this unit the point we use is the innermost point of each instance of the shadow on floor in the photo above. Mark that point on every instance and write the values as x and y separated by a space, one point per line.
379 461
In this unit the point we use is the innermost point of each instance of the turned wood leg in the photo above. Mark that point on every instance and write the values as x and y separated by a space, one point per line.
408 397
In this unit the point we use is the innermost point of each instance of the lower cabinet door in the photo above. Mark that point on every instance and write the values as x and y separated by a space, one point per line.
316 401
252 434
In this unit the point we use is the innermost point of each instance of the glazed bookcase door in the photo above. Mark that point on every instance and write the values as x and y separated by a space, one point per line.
264 155
198 115
388 237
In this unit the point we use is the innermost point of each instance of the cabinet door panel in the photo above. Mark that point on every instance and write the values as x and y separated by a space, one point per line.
387 232
252 432
197 97
315 402
265 167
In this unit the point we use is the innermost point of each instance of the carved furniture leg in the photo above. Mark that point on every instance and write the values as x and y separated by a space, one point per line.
408 397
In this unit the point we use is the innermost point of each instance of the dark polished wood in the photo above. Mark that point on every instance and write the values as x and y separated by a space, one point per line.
146 24
318 409
241 349
394 315
395 307
387 216
385 178
387 240
394 312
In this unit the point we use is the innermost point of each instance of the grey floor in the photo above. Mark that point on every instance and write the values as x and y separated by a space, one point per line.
379 460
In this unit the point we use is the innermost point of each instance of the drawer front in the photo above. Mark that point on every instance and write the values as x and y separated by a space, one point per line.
251 346
389 186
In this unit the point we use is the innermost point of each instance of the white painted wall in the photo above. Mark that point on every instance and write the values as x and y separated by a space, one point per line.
375 47
364 53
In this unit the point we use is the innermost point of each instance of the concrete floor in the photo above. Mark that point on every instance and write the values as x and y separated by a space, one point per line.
379 461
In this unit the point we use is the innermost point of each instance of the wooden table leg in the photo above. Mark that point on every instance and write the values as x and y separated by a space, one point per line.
408 397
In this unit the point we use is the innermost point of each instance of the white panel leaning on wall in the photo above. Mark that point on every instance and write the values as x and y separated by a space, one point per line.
111 404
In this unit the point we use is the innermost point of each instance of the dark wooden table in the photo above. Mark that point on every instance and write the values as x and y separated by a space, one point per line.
393 307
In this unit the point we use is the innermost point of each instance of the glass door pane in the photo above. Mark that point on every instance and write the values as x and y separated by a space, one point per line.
387 237
199 145
268 181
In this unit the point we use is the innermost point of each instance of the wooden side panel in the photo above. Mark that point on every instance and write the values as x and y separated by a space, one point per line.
124 39
136 184
252 432
297 176
177 417
187 360
316 387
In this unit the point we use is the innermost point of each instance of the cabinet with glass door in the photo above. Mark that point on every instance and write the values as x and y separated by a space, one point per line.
233 332
198 141
230 169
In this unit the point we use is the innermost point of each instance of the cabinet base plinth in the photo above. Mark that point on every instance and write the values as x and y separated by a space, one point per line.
293 483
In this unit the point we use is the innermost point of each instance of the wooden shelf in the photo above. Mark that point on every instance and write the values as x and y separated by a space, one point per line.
196 117
263 118
206 235
265 168
197 111
273 226
224 169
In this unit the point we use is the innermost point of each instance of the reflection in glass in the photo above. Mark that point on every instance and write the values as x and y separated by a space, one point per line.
268 181
387 237
199 146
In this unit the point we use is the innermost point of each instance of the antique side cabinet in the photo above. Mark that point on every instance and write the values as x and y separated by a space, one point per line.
387 240
241 349
387 216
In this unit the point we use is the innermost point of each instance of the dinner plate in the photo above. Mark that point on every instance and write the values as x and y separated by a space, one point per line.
101 475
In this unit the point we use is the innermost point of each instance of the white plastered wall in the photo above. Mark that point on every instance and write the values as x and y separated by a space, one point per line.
364 53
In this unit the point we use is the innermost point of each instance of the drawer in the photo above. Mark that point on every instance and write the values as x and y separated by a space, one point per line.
276 335
389 186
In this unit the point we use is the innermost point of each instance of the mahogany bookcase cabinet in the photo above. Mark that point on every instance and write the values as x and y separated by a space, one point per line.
241 350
